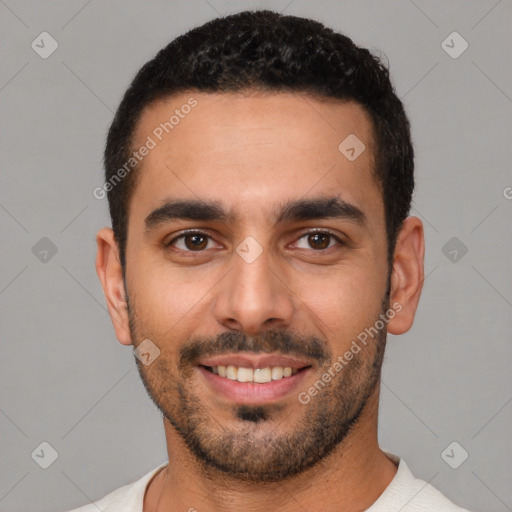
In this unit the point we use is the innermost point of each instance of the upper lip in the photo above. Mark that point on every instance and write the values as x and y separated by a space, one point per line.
254 361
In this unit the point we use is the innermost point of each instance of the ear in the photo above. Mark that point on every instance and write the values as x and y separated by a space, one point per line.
109 270
407 275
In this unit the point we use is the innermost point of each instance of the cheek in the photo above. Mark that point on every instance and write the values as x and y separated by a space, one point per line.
173 302
163 297
346 303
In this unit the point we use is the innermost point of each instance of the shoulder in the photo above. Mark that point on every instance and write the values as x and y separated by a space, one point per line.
410 494
129 498
428 498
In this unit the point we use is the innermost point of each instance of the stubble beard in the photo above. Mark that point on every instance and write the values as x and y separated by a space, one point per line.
259 444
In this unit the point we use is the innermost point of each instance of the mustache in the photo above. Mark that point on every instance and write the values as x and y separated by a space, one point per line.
282 342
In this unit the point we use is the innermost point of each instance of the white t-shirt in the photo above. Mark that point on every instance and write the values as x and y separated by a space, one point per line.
405 493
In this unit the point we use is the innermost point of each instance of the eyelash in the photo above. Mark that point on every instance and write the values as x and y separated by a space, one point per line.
202 233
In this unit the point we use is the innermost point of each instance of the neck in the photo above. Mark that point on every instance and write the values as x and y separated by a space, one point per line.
351 478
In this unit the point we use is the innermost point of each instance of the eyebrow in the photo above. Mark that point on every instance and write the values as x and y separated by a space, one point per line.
320 208
295 210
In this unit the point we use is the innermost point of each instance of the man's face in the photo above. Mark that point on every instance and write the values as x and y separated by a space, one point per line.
271 285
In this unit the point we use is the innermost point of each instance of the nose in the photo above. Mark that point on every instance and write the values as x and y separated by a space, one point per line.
254 296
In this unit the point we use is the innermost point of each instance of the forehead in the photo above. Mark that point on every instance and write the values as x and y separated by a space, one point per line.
254 151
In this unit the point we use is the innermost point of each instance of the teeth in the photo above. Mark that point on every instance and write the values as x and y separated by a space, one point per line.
259 375
231 372
262 375
245 375
277 372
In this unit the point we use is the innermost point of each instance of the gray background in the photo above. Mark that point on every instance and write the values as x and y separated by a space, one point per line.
67 381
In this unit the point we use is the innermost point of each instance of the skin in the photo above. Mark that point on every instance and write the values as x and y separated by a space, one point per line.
253 152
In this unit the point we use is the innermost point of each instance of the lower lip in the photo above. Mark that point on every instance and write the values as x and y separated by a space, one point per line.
251 392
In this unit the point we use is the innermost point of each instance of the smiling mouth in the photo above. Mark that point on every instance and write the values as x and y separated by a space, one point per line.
248 378
254 375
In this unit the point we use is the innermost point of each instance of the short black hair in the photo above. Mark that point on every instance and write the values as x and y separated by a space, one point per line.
268 51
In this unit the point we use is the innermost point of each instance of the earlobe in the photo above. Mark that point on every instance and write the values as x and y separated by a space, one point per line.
109 270
407 274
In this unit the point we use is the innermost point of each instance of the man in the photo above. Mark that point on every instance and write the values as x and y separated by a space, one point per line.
259 173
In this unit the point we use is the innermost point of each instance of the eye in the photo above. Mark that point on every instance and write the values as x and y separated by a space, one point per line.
190 241
197 241
320 240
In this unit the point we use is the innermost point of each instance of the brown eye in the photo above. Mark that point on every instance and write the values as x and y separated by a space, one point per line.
194 241
318 240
